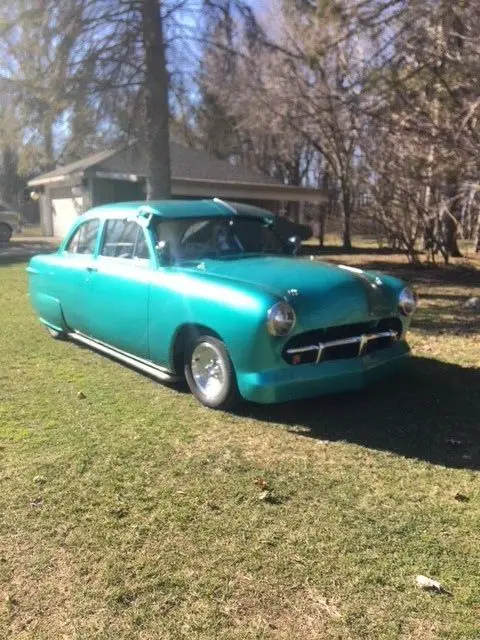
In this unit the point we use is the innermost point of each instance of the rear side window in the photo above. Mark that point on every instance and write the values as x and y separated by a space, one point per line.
124 239
84 239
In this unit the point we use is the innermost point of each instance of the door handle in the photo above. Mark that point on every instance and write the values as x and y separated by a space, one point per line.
92 269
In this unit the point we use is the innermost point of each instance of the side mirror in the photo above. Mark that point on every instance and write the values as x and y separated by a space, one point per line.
293 245
164 253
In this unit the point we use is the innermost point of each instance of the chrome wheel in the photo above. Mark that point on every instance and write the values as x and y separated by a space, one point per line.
209 370
210 373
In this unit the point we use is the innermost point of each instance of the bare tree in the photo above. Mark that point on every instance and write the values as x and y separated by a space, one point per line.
421 141
156 101
233 120
300 87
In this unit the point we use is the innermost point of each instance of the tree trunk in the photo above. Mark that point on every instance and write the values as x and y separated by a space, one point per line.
9 178
48 144
321 228
451 217
451 237
476 234
347 215
327 209
156 102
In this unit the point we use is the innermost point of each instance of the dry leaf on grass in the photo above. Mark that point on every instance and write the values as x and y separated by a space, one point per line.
473 303
261 483
431 585
270 497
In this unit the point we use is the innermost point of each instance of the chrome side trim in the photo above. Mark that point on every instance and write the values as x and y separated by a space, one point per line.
362 341
312 347
137 363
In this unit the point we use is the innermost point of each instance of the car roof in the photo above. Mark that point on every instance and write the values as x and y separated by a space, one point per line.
179 209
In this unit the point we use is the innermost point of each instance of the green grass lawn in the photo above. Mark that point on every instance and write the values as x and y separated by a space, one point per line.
133 512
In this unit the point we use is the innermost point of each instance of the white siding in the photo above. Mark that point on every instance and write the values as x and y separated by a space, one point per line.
65 211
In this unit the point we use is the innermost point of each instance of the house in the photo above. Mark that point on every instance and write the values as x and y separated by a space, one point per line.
120 174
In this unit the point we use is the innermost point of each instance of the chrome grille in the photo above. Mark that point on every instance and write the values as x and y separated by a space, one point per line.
347 341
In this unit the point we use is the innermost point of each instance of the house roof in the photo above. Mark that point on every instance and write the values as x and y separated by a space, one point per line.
130 162
79 166
194 174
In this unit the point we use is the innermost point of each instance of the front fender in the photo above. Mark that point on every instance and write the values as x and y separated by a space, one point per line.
237 313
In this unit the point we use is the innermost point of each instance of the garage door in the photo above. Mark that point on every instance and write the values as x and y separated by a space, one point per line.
65 212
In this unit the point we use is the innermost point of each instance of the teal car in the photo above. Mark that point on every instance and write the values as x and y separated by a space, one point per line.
208 291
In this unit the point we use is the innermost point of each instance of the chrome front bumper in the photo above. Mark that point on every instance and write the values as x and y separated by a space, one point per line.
287 382
362 341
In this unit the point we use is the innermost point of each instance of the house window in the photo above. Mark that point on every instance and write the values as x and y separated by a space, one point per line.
124 239
84 239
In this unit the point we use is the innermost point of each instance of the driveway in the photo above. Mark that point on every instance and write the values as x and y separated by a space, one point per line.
21 249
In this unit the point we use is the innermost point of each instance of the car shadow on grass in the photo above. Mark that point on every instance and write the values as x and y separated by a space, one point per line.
432 413
449 319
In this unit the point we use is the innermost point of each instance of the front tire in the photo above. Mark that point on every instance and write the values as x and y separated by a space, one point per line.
210 374
5 233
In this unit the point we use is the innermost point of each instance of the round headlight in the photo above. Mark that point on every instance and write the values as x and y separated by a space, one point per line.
407 301
281 319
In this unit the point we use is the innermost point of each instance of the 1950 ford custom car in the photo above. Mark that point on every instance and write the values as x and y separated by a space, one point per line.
208 290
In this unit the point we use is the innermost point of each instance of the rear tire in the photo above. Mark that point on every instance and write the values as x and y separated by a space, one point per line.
210 373
5 233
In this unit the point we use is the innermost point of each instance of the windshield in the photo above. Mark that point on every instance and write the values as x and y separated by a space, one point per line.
199 238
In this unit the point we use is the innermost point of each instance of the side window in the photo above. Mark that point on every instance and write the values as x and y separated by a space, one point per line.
84 239
124 239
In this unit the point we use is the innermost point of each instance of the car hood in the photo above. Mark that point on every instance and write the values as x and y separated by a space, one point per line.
321 293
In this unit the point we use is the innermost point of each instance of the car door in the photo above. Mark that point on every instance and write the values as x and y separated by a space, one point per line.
118 287
73 272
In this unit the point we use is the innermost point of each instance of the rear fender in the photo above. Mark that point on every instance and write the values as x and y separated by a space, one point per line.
50 311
